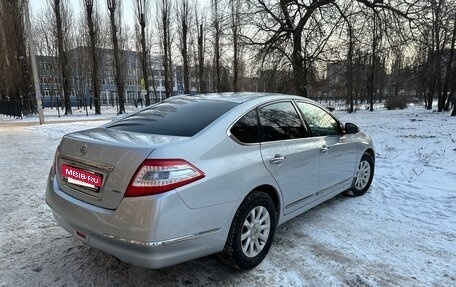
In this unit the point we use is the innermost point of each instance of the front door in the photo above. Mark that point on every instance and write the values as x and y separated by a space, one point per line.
337 152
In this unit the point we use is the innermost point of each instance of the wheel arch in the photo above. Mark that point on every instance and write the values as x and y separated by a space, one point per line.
272 192
232 253
371 152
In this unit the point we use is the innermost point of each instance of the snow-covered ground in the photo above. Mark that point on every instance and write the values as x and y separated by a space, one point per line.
401 233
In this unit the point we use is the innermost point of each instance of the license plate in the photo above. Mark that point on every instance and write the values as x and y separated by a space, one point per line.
81 176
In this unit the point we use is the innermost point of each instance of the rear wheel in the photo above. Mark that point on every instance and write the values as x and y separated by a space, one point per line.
251 232
363 176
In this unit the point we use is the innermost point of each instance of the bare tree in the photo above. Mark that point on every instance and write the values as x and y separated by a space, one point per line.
201 51
142 8
452 74
288 25
58 7
114 8
183 12
374 57
437 7
434 36
301 32
453 93
81 67
165 28
349 70
15 81
216 25
445 99
46 45
93 30
235 29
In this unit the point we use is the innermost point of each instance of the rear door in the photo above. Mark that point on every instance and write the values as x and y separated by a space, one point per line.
289 154
336 149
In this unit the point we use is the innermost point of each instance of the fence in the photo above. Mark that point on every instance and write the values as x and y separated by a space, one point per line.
105 100
15 108
10 108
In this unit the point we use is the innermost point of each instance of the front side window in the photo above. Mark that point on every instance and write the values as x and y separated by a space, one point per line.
246 128
280 121
320 122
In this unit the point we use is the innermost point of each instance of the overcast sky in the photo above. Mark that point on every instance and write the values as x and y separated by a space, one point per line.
76 6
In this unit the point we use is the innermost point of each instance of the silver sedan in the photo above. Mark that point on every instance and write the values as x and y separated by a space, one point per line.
204 174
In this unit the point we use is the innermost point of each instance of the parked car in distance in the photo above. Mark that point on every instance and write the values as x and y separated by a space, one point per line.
204 174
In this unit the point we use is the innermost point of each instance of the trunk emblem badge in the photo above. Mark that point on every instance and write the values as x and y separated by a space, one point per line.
83 150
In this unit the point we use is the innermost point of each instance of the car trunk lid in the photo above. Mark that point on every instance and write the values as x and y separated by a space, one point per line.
96 165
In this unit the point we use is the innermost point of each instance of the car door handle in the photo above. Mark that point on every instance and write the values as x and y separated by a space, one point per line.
324 149
278 159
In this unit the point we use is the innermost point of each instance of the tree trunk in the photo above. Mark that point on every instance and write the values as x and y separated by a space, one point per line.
430 97
446 99
298 61
202 87
350 69
438 56
144 57
453 96
166 48
217 46
453 93
15 76
299 73
93 51
185 57
431 72
62 58
117 56
235 29
170 63
142 6
374 55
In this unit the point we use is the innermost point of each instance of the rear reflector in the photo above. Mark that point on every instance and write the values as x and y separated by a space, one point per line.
161 175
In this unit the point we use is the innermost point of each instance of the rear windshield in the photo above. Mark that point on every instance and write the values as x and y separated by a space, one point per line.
176 117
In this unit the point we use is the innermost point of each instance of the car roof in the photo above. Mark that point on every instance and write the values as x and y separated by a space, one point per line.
239 97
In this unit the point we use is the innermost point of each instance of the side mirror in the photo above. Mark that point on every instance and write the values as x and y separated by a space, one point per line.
351 128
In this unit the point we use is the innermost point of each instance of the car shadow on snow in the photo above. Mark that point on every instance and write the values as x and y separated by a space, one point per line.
206 271
89 266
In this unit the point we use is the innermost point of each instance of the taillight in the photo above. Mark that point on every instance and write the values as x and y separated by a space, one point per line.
161 175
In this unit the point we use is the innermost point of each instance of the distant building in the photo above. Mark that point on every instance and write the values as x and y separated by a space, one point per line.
49 75
80 73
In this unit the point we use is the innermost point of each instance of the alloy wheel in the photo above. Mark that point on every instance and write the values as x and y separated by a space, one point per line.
255 231
362 175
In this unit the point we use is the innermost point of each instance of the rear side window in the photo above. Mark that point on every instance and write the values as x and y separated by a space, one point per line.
280 121
176 117
246 128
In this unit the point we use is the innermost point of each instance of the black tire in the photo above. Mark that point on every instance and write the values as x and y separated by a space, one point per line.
363 176
233 254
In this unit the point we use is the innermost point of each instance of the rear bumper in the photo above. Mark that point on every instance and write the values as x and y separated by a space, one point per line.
152 232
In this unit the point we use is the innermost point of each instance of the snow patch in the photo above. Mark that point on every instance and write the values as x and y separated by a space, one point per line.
402 232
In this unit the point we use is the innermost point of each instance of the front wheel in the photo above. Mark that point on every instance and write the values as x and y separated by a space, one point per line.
251 232
363 176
